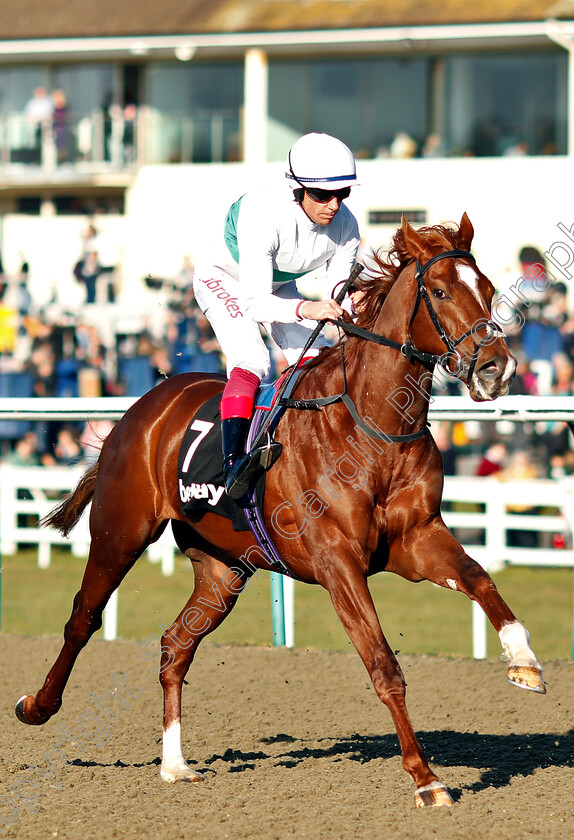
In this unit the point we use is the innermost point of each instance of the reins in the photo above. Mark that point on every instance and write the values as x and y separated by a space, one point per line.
408 350
449 343
373 431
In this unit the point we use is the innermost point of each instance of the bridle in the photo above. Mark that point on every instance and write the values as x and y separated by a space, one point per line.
409 349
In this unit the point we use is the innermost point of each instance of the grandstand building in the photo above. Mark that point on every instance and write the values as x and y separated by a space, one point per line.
168 111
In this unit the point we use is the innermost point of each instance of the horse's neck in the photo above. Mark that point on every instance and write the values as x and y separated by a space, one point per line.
382 382
389 389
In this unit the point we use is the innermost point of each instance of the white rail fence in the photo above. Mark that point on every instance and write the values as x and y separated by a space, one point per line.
478 504
497 501
29 493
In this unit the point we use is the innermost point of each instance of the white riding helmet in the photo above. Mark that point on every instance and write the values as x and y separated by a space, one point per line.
320 161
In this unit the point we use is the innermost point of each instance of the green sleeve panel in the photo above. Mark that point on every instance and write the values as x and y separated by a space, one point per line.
230 237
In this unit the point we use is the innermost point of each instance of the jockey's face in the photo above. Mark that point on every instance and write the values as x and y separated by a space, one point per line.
320 214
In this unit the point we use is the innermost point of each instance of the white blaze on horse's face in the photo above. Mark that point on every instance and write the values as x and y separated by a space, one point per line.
481 386
469 276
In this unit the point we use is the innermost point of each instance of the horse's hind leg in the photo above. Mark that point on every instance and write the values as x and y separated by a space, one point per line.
352 601
217 588
435 555
112 555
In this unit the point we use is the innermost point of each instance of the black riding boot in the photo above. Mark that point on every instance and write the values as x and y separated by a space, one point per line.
239 468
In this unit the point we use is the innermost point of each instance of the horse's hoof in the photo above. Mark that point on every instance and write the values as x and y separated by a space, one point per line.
526 676
19 709
432 795
178 770
33 717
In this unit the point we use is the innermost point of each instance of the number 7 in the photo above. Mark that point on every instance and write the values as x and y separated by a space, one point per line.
203 427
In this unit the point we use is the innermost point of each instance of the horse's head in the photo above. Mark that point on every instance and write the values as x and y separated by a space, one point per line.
451 316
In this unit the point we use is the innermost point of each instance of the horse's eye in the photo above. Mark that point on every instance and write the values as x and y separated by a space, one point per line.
439 294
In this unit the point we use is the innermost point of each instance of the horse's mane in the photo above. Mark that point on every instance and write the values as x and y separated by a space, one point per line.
377 281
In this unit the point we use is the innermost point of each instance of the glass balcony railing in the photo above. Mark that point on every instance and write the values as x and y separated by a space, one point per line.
120 139
71 140
212 137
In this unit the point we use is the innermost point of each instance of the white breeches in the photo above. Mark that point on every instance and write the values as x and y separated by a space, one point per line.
240 337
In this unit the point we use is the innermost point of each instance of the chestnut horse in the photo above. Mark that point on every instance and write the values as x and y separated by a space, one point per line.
343 502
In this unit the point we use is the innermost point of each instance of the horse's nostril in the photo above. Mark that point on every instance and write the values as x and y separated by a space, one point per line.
490 368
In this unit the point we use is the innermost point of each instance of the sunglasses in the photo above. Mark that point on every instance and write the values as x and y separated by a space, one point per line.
324 196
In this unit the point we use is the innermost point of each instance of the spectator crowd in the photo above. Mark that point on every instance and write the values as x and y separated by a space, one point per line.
73 356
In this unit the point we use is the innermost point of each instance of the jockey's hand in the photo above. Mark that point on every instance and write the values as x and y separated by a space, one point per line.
321 310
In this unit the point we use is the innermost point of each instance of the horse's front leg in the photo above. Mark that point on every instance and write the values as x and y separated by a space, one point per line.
433 554
216 590
352 600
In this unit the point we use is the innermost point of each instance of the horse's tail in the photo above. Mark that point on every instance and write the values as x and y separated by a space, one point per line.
67 513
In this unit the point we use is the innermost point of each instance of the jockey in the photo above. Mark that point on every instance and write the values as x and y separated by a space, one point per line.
271 238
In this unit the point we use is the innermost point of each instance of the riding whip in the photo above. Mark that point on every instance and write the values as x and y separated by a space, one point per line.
347 286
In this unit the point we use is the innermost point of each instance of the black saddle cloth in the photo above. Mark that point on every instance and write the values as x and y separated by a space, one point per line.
201 487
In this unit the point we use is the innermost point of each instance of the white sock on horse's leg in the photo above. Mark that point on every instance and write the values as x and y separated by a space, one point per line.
515 641
523 668
174 767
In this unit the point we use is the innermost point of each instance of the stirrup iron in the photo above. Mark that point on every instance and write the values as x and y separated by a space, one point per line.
270 451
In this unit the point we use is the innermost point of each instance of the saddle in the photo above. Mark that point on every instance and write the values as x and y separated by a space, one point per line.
201 486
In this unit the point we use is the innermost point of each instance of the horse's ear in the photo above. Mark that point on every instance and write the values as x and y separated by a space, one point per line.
465 233
414 243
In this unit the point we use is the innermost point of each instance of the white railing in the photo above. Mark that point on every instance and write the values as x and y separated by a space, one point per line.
494 497
519 408
99 141
26 495
548 509
29 493
554 505
79 140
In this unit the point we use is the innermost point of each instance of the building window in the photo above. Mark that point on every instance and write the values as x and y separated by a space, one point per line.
505 104
495 104
88 87
364 102
194 112
17 85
